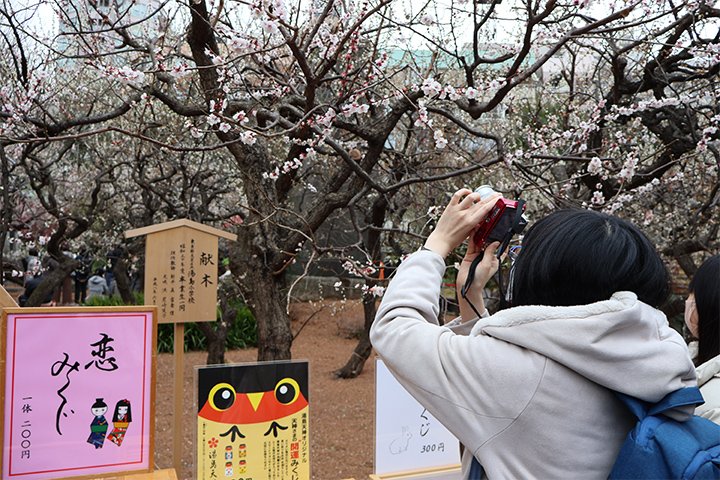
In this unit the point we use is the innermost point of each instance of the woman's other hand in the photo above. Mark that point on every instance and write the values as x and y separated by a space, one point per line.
460 217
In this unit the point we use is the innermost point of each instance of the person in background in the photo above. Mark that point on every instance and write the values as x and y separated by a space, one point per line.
702 317
31 264
113 257
97 286
80 275
531 390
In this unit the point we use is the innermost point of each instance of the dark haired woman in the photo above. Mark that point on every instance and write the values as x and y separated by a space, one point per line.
702 317
121 420
530 390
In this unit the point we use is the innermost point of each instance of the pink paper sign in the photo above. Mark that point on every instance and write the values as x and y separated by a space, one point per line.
78 393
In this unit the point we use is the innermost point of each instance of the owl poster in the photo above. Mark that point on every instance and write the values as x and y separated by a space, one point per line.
253 421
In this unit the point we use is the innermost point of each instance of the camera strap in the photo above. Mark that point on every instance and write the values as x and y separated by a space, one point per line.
517 227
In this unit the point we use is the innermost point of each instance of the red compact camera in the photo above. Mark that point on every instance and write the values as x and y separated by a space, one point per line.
504 220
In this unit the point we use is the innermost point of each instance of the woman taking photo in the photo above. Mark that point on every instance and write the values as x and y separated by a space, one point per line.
530 390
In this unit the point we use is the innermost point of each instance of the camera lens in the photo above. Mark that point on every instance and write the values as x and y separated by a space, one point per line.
485 191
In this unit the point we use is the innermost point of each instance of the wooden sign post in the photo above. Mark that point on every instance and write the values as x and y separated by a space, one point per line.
6 300
181 275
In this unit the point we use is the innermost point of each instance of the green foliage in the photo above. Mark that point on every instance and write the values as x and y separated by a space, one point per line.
113 301
242 333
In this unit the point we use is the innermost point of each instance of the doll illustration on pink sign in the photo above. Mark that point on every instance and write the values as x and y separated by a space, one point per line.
99 425
121 420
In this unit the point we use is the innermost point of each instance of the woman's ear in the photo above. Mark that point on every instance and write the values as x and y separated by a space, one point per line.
691 315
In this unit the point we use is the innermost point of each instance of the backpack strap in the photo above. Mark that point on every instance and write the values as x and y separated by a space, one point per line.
476 470
678 398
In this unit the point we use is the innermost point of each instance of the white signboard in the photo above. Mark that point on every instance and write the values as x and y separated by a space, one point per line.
407 436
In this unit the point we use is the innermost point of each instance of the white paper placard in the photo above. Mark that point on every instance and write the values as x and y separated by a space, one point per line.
407 436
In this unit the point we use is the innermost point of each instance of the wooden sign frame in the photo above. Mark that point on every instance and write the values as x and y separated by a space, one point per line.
6 300
438 473
129 329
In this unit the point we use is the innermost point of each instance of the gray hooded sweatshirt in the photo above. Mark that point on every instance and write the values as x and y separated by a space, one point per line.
528 390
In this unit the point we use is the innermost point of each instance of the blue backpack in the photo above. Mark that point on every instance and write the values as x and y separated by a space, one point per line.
659 447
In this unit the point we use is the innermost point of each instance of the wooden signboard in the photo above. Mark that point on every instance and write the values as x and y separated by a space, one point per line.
181 275
442 473
77 392
6 300
181 269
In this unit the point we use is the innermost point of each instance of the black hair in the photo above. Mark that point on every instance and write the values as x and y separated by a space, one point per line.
116 415
705 286
99 403
577 257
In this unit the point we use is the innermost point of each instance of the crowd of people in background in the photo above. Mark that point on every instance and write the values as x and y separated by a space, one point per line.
92 277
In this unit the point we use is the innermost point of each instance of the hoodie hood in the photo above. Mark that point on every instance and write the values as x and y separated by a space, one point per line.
96 280
622 344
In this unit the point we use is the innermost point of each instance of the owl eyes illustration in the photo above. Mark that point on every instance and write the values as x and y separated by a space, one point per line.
287 391
222 396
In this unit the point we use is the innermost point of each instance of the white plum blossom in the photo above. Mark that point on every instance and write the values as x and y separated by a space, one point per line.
218 107
440 140
240 117
239 45
349 267
327 119
377 290
451 92
270 26
423 118
431 87
354 107
248 138
595 166
598 198
472 93
196 132
131 76
271 175
212 119
628 170
180 70
434 212
224 127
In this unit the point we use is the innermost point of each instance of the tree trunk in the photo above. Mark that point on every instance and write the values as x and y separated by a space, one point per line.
122 281
265 295
363 349
51 279
267 302
216 333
